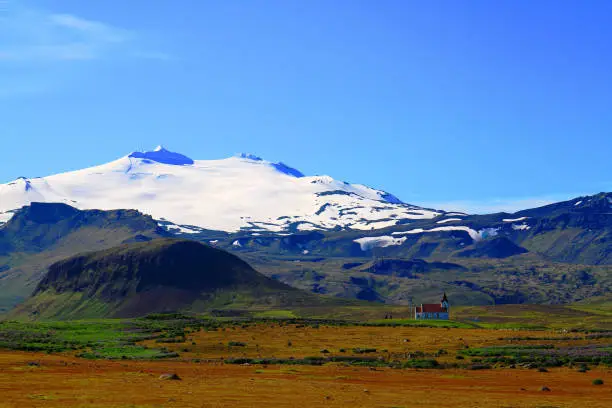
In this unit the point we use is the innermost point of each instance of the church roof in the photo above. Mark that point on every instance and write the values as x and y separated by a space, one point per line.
430 308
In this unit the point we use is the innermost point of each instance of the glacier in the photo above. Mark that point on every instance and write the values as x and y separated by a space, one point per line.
241 192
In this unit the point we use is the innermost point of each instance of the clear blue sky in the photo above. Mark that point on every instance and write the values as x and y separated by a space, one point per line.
471 104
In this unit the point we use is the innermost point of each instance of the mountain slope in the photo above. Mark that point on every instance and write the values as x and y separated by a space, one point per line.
553 254
477 259
42 233
159 276
496 247
237 193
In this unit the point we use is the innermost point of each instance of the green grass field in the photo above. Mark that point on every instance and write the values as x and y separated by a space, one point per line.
122 339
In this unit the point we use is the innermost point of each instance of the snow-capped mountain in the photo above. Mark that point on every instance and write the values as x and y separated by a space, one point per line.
237 193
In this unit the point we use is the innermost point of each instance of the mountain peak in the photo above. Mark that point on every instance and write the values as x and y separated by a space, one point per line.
250 156
161 155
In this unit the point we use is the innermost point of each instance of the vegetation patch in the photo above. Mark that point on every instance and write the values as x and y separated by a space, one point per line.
104 338
545 355
360 350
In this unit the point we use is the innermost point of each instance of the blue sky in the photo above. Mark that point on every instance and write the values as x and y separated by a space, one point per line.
473 105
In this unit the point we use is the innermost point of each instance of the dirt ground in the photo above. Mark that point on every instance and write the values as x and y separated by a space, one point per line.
41 380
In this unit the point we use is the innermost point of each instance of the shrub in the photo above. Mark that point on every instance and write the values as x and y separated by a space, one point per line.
359 350
421 364
163 340
480 367
236 344
598 381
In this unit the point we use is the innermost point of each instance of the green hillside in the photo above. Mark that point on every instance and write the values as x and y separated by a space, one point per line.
41 234
165 275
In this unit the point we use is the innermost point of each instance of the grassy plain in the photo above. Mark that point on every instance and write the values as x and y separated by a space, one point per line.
386 344
575 316
61 381
502 359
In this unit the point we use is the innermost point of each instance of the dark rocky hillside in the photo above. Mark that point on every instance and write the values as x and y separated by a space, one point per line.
408 268
496 247
164 275
41 234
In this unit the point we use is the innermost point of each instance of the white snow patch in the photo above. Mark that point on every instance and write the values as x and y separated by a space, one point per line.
475 235
236 243
5 217
375 225
214 241
455 214
305 252
487 232
179 228
578 203
367 243
518 227
306 227
412 231
514 219
448 220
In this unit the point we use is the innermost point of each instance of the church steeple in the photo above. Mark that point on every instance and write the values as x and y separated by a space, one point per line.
444 303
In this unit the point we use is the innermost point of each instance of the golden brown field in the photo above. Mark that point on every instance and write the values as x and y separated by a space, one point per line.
266 340
42 380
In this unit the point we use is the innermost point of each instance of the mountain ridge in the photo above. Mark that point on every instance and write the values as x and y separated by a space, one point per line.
497 258
242 192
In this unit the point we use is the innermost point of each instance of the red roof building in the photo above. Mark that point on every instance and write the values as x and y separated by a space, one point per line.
438 311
